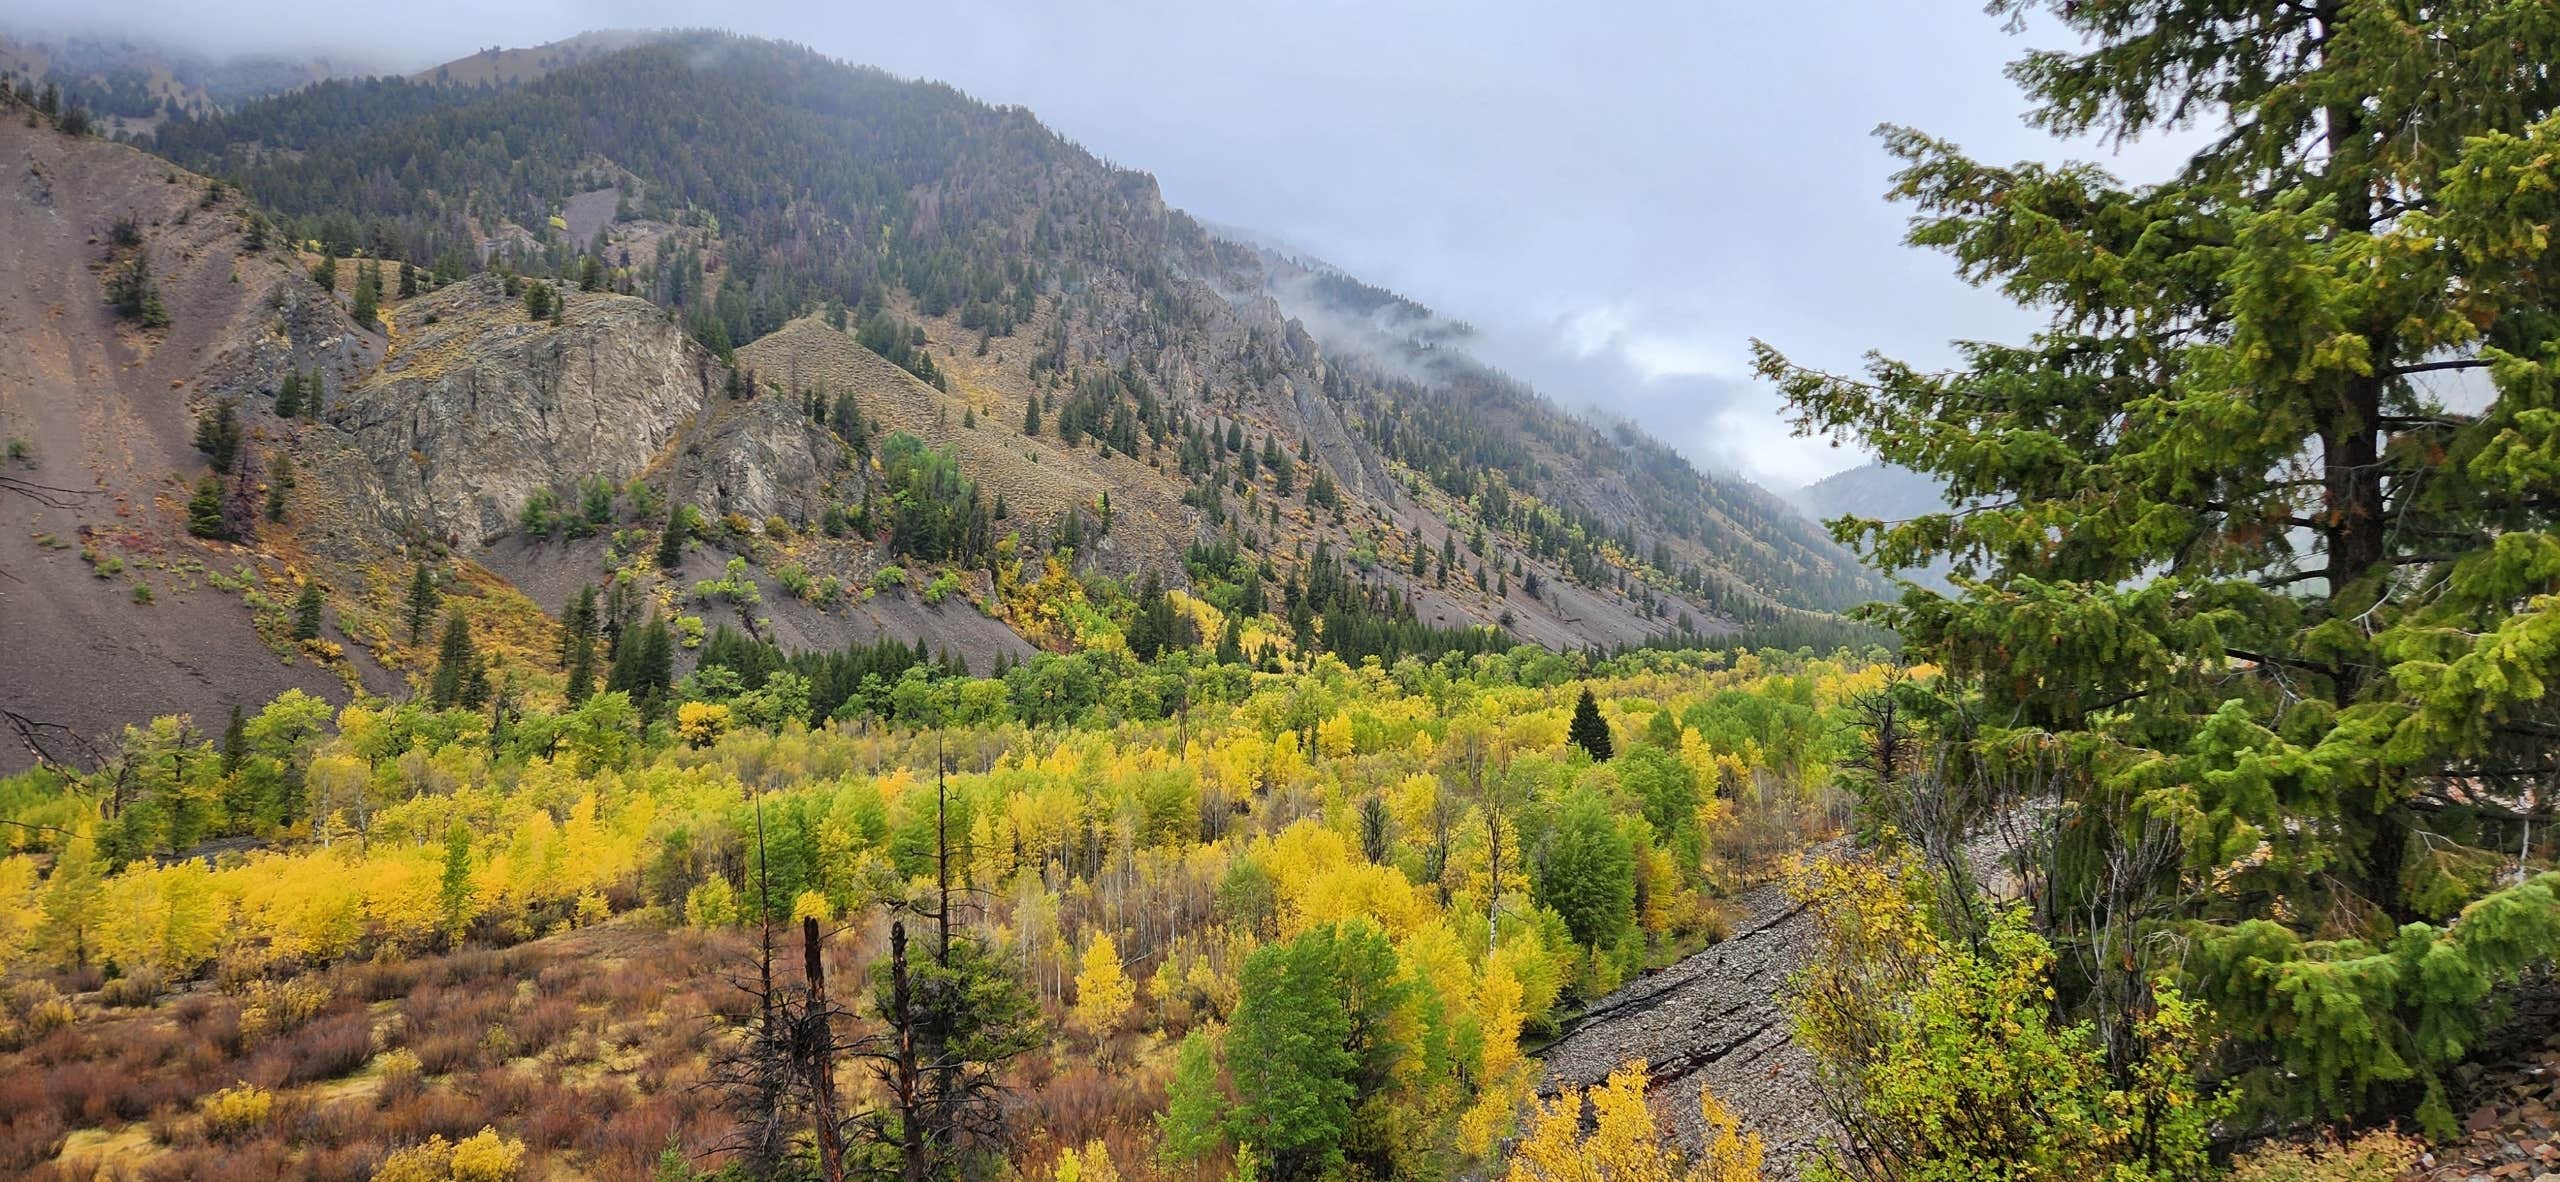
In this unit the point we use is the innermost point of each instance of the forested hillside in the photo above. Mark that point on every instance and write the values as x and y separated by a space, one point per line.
692 611
747 184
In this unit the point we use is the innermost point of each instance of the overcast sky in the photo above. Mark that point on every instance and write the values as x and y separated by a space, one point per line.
1619 194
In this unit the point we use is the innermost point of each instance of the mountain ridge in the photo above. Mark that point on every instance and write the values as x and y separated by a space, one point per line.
856 325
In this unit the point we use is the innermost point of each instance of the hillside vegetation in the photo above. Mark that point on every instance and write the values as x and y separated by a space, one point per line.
418 924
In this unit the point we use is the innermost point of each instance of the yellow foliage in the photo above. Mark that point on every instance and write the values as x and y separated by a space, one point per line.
487 1157
164 918
428 1161
2377 1156
1333 737
1624 1145
702 723
1104 991
18 907
1092 1165
236 1112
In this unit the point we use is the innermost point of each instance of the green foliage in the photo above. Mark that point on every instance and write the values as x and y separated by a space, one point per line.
307 605
1586 872
680 521
424 598
935 512
204 510
2235 579
1588 730
1312 1042
1940 1054
218 434
1192 1126
135 295
461 677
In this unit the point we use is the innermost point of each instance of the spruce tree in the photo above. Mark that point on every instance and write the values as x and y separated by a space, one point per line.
424 598
457 666
2235 579
578 645
135 296
306 611
289 395
671 541
204 510
218 434
645 667
1588 730
315 391
279 484
368 302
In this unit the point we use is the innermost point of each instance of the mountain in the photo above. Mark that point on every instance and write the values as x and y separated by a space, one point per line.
1880 492
131 85
913 367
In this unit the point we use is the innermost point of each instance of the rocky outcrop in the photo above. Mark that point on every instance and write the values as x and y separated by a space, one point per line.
479 406
759 458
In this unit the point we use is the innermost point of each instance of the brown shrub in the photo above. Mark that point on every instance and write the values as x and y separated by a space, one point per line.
140 988
255 1161
628 1144
432 1112
31 1129
325 1049
543 1023
350 1163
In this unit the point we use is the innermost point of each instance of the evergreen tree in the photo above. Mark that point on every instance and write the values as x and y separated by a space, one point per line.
218 434
204 510
279 483
135 295
235 743
645 668
457 667
408 280
537 301
289 395
578 644
424 599
368 302
306 611
454 895
1588 730
325 273
2233 579
1031 417
671 541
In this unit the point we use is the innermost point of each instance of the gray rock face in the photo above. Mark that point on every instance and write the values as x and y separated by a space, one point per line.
480 407
759 458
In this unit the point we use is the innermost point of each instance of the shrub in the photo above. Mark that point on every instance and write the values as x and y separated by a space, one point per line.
2378 1156
323 1050
237 1112
942 588
1941 1049
133 990
888 578
487 1157
272 1008
428 1161
49 1015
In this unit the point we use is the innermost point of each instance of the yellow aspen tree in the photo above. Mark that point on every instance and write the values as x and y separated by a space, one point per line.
1104 991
